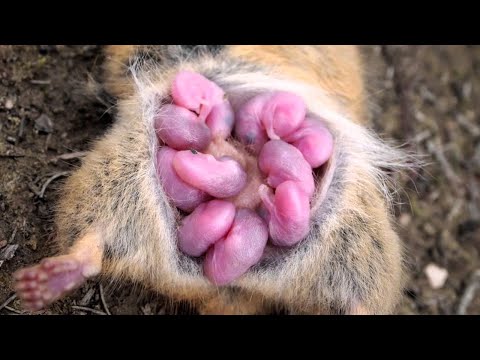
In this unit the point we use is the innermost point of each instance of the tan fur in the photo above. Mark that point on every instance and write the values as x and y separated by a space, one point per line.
115 70
234 304
336 69
88 250
352 259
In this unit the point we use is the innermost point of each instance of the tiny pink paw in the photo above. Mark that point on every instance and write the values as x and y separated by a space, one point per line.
42 284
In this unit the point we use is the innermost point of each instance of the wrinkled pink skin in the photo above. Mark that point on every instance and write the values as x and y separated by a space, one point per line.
184 196
179 128
273 116
282 162
242 248
307 137
289 213
221 178
274 127
208 223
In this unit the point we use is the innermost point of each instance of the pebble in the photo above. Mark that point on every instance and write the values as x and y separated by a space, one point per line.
436 275
9 104
44 124
7 253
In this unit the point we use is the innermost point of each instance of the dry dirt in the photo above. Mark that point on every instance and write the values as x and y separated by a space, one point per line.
427 97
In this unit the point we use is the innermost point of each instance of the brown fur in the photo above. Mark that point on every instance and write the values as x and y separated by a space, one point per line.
350 263
336 69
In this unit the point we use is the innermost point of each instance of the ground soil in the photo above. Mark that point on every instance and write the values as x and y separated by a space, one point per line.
427 97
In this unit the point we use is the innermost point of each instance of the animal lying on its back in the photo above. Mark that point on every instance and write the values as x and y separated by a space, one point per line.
239 178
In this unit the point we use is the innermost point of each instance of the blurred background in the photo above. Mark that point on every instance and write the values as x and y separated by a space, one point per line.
426 97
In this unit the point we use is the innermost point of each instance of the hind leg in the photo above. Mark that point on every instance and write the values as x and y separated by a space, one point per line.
40 285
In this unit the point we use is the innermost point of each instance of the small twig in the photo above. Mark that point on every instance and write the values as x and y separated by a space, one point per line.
12 237
102 298
450 174
422 136
475 195
11 155
47 141
14 310
7 253
467 125
8 301
21 129
456 209
44 187
469 293
86 299
83 308
69 156
40 82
